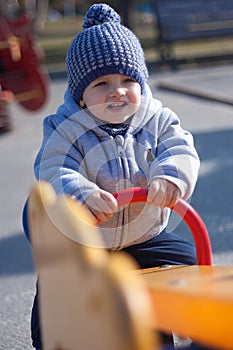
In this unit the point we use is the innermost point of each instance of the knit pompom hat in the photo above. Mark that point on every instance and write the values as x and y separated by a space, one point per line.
103 47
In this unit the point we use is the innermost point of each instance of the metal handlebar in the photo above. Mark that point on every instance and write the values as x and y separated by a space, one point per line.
185 211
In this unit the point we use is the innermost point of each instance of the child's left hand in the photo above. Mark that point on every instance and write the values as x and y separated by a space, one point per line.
163 193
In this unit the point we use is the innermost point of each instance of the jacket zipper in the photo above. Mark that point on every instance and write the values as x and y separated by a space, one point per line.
126 176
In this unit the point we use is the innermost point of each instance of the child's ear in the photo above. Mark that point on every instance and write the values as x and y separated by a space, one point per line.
81 103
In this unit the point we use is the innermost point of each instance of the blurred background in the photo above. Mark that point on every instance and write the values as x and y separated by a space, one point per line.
35 36
56 22
61 20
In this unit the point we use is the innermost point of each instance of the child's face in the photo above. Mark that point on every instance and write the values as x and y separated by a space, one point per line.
112 98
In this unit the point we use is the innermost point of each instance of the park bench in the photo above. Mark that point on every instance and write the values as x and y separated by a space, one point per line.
188 20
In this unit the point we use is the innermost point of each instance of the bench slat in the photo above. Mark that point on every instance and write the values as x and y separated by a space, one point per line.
182 20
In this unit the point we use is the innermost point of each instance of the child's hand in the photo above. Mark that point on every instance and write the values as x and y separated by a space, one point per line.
163 193
101 205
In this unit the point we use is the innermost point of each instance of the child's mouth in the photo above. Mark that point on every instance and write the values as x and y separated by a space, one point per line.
116 106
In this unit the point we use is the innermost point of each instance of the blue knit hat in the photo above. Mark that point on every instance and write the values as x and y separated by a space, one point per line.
103 47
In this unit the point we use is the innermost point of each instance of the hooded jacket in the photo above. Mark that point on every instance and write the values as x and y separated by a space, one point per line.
77 157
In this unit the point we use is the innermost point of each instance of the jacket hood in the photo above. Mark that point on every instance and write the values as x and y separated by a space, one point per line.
148 107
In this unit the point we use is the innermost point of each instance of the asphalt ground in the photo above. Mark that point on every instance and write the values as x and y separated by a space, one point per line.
209 119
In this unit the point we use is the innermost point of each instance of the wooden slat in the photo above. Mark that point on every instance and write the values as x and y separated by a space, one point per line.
194 301
185 19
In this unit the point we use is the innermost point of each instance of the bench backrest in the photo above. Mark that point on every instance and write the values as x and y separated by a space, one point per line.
193 19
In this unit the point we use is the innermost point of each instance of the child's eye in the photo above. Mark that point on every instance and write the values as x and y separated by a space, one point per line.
129 80
100 83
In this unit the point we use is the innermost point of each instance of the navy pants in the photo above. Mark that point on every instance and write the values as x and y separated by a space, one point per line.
165 249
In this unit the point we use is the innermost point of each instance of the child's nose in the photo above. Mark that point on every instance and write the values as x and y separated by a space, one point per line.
117 90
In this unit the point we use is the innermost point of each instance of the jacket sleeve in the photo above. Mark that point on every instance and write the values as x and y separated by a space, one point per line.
176 157
59 162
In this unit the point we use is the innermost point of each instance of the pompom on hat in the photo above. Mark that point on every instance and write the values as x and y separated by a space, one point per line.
103 47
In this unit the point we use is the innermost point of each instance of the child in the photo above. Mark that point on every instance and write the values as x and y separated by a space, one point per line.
111 134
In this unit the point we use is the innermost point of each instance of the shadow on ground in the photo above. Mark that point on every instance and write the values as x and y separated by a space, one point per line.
215 186
213 194
15 255
212 199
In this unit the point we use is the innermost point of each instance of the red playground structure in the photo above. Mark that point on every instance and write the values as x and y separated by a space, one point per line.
22 76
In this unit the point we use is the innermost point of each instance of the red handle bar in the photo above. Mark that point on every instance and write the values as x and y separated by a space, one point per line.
185 211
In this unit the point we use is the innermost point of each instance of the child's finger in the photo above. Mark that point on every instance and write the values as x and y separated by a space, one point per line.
109 203
153 191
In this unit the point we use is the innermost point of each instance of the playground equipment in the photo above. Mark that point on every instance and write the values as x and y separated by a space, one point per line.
21 71
90 297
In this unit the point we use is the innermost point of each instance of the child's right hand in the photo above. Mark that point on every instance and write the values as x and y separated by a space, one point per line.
101 205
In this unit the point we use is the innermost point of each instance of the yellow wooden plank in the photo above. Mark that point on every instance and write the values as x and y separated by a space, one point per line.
195 302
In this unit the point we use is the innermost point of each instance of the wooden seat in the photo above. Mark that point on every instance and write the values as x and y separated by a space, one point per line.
194 301
89 298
